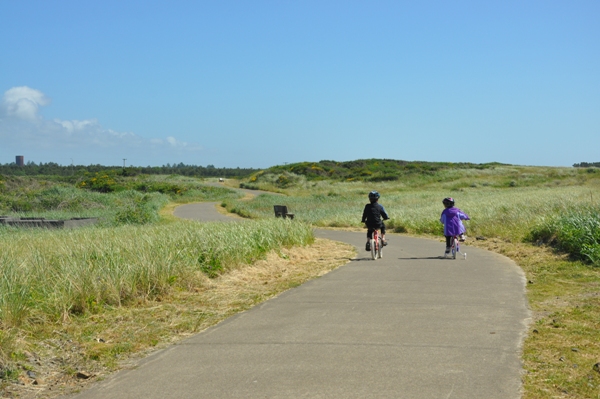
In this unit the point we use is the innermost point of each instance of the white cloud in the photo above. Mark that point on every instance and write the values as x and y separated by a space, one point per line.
174 143
179 144
23 130
75 125
23 103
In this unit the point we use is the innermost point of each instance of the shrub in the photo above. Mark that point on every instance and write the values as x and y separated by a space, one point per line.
104 182
161 187
210 263
384 177
21 205
576 233
139 208
592 252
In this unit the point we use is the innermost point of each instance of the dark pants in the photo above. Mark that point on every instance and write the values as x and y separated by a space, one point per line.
372 228
449 241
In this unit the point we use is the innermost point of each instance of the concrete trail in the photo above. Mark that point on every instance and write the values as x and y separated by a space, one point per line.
410 325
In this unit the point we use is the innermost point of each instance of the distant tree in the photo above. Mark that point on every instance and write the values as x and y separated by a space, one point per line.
54 169
587 165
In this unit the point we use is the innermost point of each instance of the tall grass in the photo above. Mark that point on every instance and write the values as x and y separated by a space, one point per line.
46 276
418 175
137 200
576 232
508 213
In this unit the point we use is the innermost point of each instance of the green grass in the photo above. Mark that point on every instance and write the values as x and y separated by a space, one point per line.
563 341
49 274
546 219
576 232
415 174
507 213
52 280
373 170
134 200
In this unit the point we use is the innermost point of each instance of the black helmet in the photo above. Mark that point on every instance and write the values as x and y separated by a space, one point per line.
374 195
449 201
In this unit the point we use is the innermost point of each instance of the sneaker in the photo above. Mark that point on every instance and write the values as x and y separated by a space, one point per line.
462 238
384 243
447 251
368 246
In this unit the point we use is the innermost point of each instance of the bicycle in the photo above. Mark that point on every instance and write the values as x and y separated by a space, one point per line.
455 248
376 245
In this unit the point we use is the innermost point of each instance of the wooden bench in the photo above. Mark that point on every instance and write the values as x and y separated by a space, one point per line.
281 211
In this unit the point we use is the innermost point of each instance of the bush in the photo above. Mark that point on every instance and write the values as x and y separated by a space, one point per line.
104 182
384 177
139 208
210 263
161 187
20 205
592 252
576 233
275 181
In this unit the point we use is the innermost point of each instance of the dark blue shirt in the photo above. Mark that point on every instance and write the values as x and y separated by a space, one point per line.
373 214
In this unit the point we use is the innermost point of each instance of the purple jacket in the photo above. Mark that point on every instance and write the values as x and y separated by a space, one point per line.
451 218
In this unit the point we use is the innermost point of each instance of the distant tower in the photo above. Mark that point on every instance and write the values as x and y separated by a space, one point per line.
20 160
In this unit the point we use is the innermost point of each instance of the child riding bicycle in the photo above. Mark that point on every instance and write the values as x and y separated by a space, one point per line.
452 218
372 217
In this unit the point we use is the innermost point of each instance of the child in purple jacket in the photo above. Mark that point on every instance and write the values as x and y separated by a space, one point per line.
452 218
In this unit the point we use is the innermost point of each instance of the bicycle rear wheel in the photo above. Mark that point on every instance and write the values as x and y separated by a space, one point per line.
454 247
373 249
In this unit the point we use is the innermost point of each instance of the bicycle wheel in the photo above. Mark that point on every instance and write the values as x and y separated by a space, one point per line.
379 247
373 249
454 247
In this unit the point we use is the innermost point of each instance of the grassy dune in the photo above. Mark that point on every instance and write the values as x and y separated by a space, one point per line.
503 202
96 296
49 275
93 297
546 219
114 200
59 288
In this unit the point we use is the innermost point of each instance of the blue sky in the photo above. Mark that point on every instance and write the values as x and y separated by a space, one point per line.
262 83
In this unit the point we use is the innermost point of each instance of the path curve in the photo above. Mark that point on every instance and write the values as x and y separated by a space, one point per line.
410 325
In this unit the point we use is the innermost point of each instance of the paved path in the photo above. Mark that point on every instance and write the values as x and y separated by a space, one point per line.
203 211
410 325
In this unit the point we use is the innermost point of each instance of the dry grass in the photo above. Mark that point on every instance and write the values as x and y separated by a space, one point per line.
223 211
166 213
562 345
83 350
231 183
558 356
559 352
